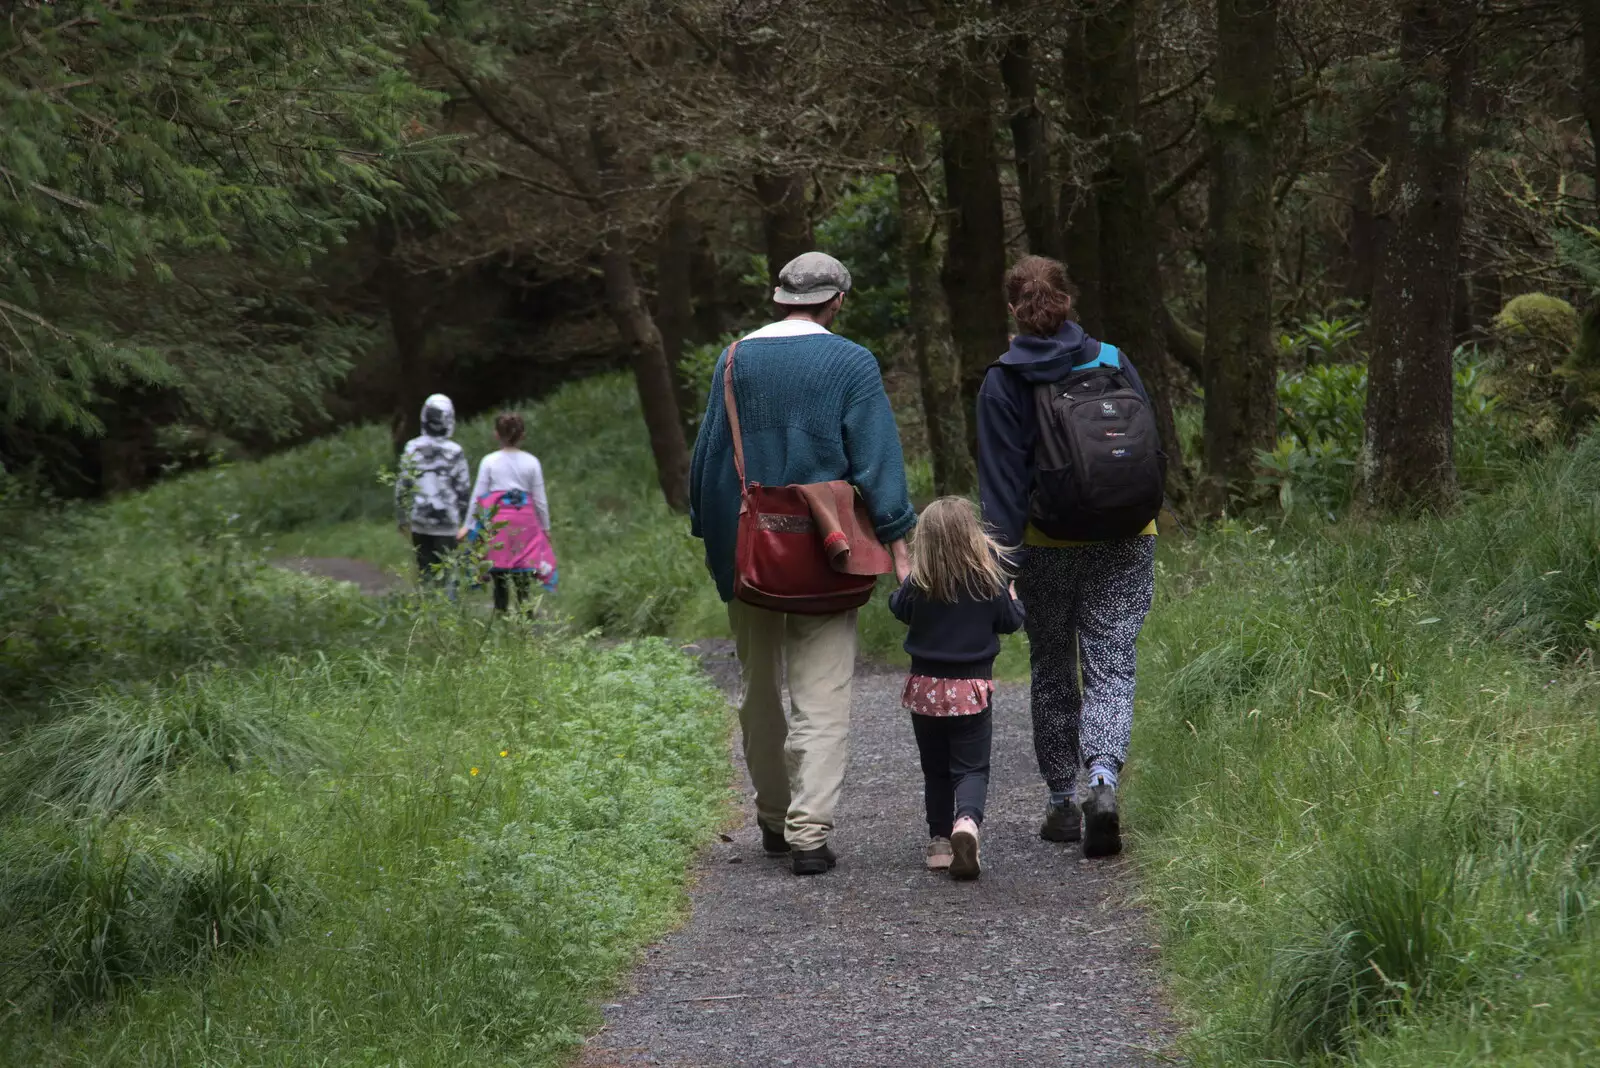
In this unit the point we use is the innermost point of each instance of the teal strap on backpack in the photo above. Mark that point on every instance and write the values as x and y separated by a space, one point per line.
1108 357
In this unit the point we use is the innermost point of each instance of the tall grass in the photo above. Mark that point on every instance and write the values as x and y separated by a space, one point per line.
115 746
508 819
248 816
1367 783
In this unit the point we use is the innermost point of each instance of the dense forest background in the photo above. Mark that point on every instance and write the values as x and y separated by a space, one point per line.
1352 245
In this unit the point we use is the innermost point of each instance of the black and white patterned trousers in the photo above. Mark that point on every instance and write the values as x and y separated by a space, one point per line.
1085 603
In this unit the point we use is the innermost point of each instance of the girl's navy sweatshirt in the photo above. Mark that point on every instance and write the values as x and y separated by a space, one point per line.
954 640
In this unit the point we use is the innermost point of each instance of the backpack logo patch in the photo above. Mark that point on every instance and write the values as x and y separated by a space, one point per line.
1108 408
1119 453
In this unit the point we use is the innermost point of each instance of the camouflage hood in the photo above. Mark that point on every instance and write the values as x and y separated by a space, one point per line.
438 416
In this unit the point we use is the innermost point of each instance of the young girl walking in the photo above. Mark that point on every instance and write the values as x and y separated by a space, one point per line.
511 512
957 601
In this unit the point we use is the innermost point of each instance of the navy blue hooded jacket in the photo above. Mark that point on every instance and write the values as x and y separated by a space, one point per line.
1008 426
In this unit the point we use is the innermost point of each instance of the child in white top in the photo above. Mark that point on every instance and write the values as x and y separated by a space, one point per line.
509 468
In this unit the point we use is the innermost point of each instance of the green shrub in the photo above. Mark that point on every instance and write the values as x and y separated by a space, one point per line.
98 916
115 747
1386 947
1321 427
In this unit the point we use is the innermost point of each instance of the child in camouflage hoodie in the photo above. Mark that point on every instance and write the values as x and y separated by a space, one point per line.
433 493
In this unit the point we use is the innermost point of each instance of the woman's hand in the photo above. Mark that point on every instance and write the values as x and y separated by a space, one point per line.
461 535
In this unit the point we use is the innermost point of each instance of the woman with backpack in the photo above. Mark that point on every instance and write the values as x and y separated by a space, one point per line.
1070 469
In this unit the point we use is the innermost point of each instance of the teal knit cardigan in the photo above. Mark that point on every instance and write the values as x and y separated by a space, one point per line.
813 409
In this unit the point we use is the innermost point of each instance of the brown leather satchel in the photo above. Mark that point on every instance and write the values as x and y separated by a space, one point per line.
807 549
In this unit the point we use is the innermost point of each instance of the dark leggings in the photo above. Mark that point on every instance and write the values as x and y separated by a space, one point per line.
504 581
431 551
955 767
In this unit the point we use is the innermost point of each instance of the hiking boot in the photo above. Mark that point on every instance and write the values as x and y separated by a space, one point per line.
964 844
812 861
1062 823
773 844
939 854
1102 829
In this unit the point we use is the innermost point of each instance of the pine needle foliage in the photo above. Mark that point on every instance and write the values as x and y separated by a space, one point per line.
166 168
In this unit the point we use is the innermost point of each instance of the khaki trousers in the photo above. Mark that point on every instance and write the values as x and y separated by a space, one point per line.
796 760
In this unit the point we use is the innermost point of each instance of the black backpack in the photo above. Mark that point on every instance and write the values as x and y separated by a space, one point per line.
1099 472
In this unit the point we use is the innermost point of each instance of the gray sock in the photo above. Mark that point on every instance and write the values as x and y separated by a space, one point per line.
1061 797
1103 773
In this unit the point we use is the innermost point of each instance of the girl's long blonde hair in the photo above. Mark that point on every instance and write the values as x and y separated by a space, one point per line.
952 554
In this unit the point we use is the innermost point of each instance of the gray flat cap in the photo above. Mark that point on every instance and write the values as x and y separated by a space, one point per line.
811 278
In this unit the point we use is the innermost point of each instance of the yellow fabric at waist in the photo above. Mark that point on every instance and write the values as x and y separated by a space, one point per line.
1032 537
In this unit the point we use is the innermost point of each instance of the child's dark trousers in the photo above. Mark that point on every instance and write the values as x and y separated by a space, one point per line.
955 767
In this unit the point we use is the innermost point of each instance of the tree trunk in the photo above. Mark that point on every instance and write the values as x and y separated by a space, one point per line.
975 251
937 368
652 374
1408 459
1367 228
1132 312
785 218
675 295
1031 147
1079 214
1240 364
1591 80
408 326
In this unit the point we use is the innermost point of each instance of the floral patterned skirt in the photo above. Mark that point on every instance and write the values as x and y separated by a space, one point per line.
927 696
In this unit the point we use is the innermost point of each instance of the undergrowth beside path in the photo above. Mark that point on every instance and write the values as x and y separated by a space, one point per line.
1367 784
497 827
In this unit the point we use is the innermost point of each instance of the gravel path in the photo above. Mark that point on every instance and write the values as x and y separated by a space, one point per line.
880 964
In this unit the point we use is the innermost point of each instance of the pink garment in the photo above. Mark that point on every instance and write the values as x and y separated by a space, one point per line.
515 540
928 696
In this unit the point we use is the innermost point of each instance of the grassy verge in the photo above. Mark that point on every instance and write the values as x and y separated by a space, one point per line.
1368 784
249 817
436 856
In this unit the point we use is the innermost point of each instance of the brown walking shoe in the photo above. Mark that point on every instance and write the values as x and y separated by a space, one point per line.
939 854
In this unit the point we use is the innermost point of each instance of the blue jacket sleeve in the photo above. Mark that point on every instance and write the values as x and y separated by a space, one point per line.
1003 477
872 447
901 602
702 446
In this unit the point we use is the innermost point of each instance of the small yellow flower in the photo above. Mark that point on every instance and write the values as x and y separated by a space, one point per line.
505 752
474 771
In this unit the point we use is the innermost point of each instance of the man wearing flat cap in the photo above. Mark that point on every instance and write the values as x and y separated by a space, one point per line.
812 408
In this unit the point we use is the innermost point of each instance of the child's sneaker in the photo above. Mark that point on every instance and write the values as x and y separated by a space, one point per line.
964 844
939 854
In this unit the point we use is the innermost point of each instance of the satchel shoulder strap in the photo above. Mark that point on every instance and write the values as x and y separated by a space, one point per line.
733 417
